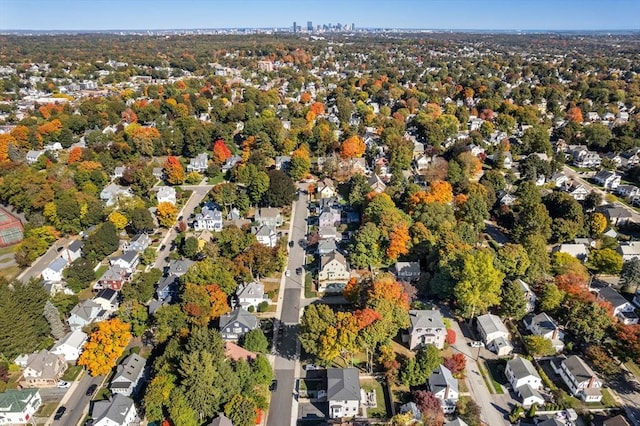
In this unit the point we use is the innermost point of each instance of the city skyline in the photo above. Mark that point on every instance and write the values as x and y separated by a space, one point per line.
103 15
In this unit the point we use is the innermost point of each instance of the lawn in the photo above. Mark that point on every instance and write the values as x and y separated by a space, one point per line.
496 374
71 373
10 272
216 180
308 287
47 409
9 249
381 410
633 368
101 270
102 394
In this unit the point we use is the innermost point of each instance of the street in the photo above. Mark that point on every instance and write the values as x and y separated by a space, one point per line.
76 401
283 407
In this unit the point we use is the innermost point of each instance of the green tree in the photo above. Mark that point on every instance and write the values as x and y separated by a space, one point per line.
606 261
588 320
241 410
630 274
597 136
79 274
141 220
551 298
365 249
101 243
536 139
514 303
536 247
255 341
189 247
148 256
539 346
479 286
317 318
180 410
256 182
512 259
157 396
417 370
136 314
475 211
281 191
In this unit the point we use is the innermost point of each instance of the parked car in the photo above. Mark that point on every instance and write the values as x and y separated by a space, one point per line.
91 389
476 344
62 384
274 386
299 270
287 273
60 413
290 243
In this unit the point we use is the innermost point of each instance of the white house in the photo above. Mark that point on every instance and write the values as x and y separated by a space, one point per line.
53 272
608 179
543 325
139 243
343 392
166 194
128 375
107 298
210 218
444 387
73 251
269 216
198 164
33 156
117 411
43 370
622 309
251 294
494 334
629 250
326 188
265 235
127 260
70 346
579 378
112 192
520 371
529 295
577 190
84 314
333 267
427 328
579 251
17 407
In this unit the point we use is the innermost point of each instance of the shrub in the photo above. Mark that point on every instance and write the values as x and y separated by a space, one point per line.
263 306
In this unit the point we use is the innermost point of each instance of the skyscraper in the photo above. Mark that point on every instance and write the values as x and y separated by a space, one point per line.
295 28
309 26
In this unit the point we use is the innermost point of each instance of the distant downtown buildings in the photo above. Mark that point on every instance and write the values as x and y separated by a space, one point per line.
323 28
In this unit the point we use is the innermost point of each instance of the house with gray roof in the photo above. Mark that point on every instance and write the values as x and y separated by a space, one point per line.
19 406
494 334
529 295
33 156
84 313
230 163
112 192
427 328
265 235
198 164
209 218
221 420
167 287
73 251
70 346
579 251
406 271
251 294
43 370
622 308
333 269
326 246
139 243
128 375
582 382
444 387
118 410
543 325
343 392
269 216
53 272
520 372
166 194
237 323
127 260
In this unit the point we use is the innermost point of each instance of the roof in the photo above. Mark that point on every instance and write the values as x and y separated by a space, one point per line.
15 401
76 245
58 265
45 363
334 255
526 391
115 409
543 322
179 266
456 422
127 256
264 231
407 267
236 352
267 212
578 368
327 244
106 294
252 290
616 212
575 250
426 319
613 297
618 420
74 339
129 370
441 378
85 310
343 384
221 420
491 324
240 315
522 368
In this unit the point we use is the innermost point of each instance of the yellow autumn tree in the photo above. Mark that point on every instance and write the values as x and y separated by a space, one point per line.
119 220
105 345
166 214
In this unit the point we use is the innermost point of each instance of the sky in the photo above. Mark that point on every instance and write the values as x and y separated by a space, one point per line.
427 14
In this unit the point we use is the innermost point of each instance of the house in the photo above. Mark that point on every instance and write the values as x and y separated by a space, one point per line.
343 392
376 184
326 246
520 371
559 179
221 420
139 243
167 287
329 217
282 162
118 172
251 294
158 173
627 191
127 261
617 216
412 408
629 250
33 156
53 272
333 267
406 271
505 198
112 192
107 299
608 179
43 370
209 218
117 411
494 334
236 352
269 216
618 420
113 278
73 251
579 378
128 375
166 194
584 158
622 309
444 387
543 325
198 164
422 162
529 396
237 323
70 346
179 267
529 295
265 235
326 188
17 407
579 251
577 190
427 328
328 232
84 313
230 163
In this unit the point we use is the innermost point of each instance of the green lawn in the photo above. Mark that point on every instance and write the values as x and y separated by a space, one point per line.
216 180
308 287
10 272
101 270
47 409
633 368
381 410
496 374
71 373
9 249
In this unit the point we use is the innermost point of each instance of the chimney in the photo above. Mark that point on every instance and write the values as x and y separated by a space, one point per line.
592 381
554 336
446 392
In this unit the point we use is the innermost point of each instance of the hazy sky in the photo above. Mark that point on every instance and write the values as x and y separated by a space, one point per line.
437 14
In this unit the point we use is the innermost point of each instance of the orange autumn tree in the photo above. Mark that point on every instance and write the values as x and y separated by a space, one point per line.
575 114
5 140
166 213
105 345
220 151
305 98
21 135
203 303
174 171
353 147
75 154
129 116
317 108
439 192
144 139
398 241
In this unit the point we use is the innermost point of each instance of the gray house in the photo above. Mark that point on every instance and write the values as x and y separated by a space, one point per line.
427 328
406 271
119 410
128 375
343 392
237 323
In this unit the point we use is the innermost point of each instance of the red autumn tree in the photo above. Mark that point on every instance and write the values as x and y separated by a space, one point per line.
128 116
430 407
220 151
366 317
451 336
456 363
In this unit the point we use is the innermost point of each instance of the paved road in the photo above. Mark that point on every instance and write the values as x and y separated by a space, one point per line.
283 407
76 401
199 192
43 261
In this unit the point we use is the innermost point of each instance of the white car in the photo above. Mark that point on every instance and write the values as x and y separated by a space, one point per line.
63 385
476 344
287 273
